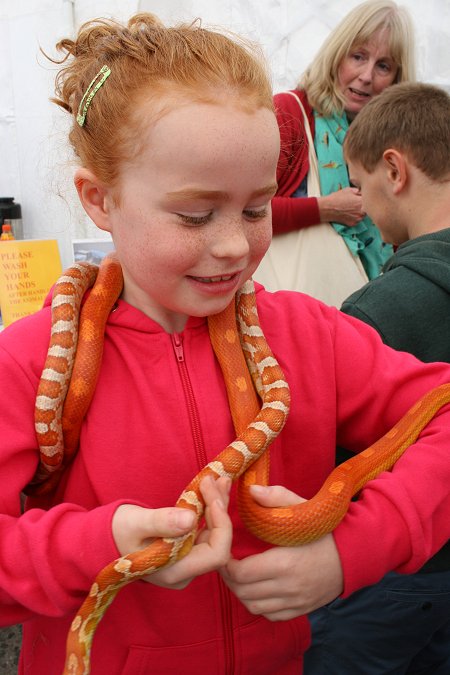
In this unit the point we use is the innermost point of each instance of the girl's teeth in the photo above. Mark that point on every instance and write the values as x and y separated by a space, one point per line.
209 280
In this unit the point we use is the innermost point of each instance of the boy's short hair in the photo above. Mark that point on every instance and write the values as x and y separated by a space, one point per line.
411 117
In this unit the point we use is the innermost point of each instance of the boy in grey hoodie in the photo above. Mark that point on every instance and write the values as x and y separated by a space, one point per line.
398 155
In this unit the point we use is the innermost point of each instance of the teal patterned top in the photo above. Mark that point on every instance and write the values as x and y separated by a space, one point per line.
363 239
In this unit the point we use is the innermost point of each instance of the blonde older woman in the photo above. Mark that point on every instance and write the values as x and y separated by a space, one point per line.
372 48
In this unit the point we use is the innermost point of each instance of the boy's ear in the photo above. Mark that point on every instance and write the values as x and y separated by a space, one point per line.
396 168
92 194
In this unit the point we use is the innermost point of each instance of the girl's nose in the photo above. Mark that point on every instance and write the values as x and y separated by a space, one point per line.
230 240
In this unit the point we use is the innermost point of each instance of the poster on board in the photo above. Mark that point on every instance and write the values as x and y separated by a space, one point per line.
28 269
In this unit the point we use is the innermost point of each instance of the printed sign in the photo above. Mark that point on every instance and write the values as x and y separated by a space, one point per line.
28 269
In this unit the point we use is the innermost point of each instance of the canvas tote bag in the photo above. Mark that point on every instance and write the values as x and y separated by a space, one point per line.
314 260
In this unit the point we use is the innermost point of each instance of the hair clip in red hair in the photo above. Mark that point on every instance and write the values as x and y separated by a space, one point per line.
90 92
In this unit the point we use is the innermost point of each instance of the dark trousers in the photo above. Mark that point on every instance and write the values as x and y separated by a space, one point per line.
400 626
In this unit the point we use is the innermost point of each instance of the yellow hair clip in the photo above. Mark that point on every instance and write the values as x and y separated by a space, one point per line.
90 92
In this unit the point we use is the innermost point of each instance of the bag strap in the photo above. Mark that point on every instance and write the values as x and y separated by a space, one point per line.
313 181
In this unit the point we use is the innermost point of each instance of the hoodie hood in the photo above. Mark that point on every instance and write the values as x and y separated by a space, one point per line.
428 256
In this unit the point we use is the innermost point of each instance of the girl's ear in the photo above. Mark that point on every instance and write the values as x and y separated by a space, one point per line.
396 169
93 196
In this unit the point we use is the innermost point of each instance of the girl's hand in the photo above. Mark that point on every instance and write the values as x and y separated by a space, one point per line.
285 582
133 527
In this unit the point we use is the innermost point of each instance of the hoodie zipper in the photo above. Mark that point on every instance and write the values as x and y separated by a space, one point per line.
194 418
227 622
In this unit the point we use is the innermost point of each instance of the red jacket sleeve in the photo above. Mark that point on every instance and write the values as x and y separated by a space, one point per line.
293 214
293 165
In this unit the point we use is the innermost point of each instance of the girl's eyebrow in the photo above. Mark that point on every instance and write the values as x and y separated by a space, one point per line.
217 195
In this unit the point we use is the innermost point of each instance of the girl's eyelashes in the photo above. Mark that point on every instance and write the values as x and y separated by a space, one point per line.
194 220
255 214
250 214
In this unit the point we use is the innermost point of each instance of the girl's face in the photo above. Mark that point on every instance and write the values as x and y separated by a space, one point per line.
194 217
365 72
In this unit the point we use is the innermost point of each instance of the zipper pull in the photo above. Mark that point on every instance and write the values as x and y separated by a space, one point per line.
177 342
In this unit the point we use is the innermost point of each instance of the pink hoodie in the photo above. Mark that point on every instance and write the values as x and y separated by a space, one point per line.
158 415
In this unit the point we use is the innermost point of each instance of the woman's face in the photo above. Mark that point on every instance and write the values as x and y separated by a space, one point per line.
365 72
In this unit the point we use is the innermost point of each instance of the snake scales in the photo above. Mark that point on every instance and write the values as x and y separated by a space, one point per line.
66 388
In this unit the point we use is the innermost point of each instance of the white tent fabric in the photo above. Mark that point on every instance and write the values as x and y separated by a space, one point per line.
35 161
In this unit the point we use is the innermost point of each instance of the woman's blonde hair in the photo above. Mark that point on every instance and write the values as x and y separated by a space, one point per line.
357 28
149 62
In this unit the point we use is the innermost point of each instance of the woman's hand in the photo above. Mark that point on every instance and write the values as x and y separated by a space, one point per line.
285 582
133 527
343 206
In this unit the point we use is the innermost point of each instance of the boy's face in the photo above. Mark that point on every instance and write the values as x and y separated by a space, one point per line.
194 218
378 200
